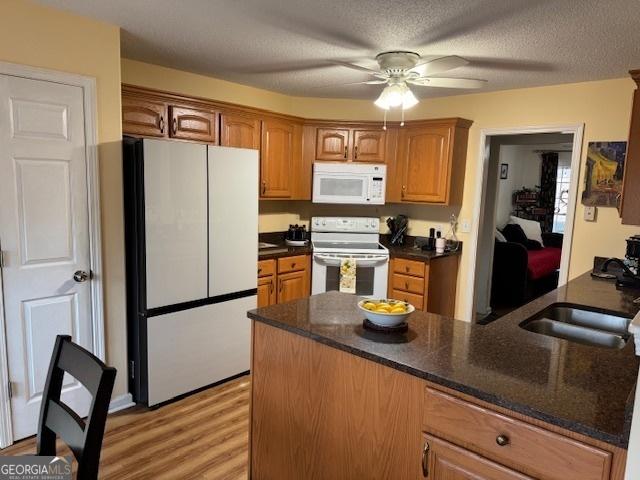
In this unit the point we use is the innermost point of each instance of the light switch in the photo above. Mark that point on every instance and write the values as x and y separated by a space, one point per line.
590 214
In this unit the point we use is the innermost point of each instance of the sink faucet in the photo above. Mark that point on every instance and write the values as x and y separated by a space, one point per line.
619 262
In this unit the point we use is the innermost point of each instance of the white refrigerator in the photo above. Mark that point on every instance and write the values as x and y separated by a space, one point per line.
191 220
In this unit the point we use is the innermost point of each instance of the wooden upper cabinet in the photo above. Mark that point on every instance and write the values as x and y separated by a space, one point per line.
424 155
277 159
332 144
629 206
350 144
369 145
144 117
194 124
430 163
239 131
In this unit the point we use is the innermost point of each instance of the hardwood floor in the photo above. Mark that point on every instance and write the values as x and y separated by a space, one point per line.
203 436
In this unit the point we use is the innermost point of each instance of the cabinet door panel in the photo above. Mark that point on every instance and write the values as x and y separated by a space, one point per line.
266 291
425 157
332 144
193 124
143 117
276 160
292 286
446 461
369 145
239 131
630 202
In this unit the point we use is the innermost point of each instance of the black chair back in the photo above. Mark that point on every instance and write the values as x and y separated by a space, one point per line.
84 438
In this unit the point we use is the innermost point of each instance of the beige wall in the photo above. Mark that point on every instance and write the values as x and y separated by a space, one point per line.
37 36
604 107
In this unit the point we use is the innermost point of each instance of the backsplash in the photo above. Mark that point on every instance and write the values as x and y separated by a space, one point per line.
276 216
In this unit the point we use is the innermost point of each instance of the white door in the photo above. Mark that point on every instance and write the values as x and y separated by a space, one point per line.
44 237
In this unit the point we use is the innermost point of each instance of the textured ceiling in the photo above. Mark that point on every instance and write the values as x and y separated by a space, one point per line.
287 45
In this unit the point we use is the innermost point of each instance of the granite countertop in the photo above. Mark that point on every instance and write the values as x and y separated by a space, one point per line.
395 251
409 251
584 389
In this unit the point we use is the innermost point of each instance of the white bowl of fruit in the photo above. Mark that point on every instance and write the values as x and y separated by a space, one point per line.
386 312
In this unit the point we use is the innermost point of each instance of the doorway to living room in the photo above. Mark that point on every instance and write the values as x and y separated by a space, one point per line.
525 218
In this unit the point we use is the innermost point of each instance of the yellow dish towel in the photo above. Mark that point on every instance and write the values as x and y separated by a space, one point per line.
348 275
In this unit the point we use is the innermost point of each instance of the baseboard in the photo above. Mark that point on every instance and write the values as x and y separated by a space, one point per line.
121 402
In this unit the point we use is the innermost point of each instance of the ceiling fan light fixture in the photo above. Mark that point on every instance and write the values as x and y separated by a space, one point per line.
396 95
409 100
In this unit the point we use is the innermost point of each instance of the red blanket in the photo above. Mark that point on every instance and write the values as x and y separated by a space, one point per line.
543 262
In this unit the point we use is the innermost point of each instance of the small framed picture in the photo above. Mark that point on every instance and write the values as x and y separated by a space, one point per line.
504 171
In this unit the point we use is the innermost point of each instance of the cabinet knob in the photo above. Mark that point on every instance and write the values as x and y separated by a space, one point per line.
271 286
175 126
407 268
293 264
502 440
406 285
345 151
161 124
264 187
402 191
259 270
355 152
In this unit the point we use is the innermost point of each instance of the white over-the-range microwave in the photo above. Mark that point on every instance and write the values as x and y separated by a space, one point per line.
349 183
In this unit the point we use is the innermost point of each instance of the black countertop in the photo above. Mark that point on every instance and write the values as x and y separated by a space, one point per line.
584 389
395 251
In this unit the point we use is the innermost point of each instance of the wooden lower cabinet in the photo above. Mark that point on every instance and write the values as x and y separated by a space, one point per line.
266 291
442 460
283 280
320 412
428 285
292 286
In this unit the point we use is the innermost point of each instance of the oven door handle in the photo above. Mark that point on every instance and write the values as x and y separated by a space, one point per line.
334 261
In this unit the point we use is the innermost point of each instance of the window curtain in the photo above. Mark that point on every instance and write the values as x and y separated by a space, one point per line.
548 177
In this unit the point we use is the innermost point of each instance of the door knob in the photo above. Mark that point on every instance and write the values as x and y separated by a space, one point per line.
80 276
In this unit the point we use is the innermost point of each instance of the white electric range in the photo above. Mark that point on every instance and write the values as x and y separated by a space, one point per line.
358 238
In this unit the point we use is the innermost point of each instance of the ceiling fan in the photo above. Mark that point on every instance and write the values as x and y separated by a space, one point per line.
400 68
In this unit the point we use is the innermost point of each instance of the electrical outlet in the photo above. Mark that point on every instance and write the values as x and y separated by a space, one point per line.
590 214
465 225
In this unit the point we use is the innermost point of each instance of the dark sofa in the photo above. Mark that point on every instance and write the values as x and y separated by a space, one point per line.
520 275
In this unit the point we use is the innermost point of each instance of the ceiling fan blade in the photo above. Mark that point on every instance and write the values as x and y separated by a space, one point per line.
448 82
353 66
439 65
369 82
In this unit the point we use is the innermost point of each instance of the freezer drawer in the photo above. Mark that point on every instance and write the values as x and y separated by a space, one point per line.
175 199
197 347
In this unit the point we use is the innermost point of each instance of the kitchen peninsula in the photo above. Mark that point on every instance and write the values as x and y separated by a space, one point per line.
447 399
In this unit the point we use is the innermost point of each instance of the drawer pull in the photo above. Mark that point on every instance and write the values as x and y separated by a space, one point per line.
259 270
502 440
271 286
425 460
293 264
406 285
407 268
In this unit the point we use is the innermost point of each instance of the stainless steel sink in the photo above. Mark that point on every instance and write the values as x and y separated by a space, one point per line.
580 325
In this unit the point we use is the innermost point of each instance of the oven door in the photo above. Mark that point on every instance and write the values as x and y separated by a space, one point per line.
371 273
348 188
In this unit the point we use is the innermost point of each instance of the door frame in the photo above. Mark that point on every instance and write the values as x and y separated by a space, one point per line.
88 85
577 129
